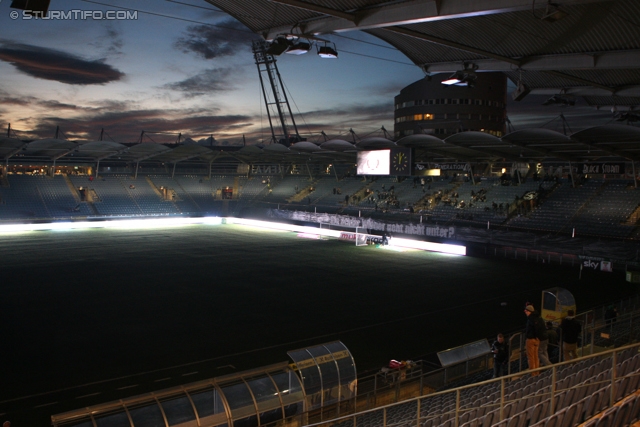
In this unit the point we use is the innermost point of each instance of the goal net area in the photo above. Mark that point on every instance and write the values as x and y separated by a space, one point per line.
357 234
361 237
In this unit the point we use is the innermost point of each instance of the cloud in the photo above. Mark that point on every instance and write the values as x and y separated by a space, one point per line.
111 43
126 125
50 64
208 81
7 100
211 42
354 115
54 105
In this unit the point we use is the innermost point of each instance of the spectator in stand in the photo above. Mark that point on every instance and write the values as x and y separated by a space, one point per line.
532 340
543 336
610 315
571 329
500 350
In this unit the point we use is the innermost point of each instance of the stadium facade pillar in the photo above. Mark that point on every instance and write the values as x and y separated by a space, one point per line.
97 168
633 168
135 175
173 173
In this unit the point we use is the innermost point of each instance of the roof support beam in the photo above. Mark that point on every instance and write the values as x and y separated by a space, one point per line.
317 8
627 91
606 149
546 153
15 151
437 40
404 13
580 80
627 59
443 154
148 156
57 156
486 151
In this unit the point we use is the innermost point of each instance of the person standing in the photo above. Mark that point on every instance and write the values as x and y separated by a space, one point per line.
571 329
543 336
553 349
500 350
610 315
532 342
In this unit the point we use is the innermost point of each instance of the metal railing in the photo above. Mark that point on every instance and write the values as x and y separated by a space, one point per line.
395 387
494 395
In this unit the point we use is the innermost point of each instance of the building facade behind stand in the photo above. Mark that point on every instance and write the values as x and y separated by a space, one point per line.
430 107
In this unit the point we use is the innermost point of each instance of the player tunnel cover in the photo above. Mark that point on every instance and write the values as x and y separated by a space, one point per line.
328 373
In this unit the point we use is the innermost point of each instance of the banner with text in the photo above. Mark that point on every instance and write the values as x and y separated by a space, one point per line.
614 168
446 232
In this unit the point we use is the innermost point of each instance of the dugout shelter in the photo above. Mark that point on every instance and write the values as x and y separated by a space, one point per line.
321 376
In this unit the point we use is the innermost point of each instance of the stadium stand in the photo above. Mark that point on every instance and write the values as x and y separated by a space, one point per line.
324 190
39 197
596 207
600 389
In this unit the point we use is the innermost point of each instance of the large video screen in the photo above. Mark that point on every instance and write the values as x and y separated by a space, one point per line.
374 162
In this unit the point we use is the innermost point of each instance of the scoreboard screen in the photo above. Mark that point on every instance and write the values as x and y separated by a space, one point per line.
393 161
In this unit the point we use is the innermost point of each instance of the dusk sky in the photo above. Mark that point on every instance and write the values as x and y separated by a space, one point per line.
183 66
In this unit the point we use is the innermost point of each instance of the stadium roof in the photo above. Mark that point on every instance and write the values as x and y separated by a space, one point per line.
614 142
587 48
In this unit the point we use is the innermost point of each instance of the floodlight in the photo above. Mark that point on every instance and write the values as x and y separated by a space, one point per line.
461 78
299 48
455 79
327 51
560 99
521 91
278 46
465 77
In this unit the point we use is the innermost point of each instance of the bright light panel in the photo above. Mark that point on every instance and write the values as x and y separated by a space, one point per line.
304 231
128 224
377 162
450 82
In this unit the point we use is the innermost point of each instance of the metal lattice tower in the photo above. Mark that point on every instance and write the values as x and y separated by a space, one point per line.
275 97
